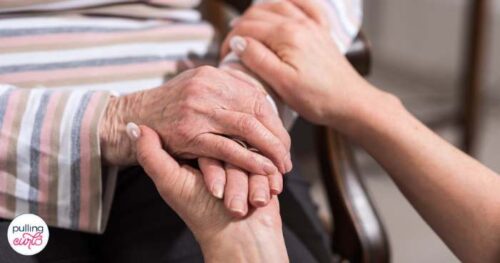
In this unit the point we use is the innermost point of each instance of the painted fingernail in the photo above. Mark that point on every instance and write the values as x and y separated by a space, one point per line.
218 189
133 131
238 44
237 205
260 197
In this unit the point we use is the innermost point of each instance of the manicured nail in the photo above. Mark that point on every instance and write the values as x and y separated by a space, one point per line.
133 131
238 44
260 196
237 205
218 189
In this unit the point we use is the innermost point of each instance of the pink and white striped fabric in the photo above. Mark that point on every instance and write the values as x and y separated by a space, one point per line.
60 60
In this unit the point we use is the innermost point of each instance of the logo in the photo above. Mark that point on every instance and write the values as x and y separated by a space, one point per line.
28 234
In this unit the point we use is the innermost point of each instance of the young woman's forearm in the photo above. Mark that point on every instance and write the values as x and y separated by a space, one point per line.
455 194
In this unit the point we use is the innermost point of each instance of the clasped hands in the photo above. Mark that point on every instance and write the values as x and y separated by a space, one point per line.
195 115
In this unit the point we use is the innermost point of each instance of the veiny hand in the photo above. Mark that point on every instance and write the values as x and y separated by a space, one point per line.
256 238
298 58
194 113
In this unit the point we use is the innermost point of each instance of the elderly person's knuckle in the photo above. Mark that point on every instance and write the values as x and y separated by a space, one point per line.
185 109
184 132
193 86
190 104
260 109
246 123
277 145
222 148
206 71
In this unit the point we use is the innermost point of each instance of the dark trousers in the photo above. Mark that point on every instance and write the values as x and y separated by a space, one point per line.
143 228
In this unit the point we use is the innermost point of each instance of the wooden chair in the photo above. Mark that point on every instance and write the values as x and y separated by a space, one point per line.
358 234
469 115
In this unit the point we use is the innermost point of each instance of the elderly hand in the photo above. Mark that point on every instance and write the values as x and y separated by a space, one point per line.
194 113
256 238
303 65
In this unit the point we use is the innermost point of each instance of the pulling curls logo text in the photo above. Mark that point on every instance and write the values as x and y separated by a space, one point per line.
28 234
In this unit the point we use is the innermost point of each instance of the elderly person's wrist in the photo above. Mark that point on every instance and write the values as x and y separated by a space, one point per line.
116 148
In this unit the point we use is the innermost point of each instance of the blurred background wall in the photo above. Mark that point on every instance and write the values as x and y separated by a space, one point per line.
424 39
418 48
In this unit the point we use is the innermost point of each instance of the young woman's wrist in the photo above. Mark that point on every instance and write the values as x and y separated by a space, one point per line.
369 108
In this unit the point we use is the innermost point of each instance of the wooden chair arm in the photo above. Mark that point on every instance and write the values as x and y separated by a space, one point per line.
358 234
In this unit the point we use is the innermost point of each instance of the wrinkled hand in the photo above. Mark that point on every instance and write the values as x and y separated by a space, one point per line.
303 65
194 113
259 236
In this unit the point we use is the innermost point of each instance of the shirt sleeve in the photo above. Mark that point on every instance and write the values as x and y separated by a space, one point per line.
345 18
50 161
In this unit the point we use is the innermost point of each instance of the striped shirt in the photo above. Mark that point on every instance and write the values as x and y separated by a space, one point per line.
60 61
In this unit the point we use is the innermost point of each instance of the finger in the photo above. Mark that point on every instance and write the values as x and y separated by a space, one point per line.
252 28
312 8
236 191
254 14
276 183
259 190
264 110
271 120
227 150
268 116
263 62
214 175
157 163
248 128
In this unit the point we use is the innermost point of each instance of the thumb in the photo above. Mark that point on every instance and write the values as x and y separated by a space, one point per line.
261 60
157 163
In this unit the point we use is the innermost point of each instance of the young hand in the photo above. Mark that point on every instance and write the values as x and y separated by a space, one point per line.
255 238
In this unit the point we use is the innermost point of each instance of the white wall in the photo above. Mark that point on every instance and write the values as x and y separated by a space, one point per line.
424 38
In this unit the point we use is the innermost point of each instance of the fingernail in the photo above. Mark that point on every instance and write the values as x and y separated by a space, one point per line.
234 21
133 131
238 44
276 185
218 189
288 163
237 205
260 197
